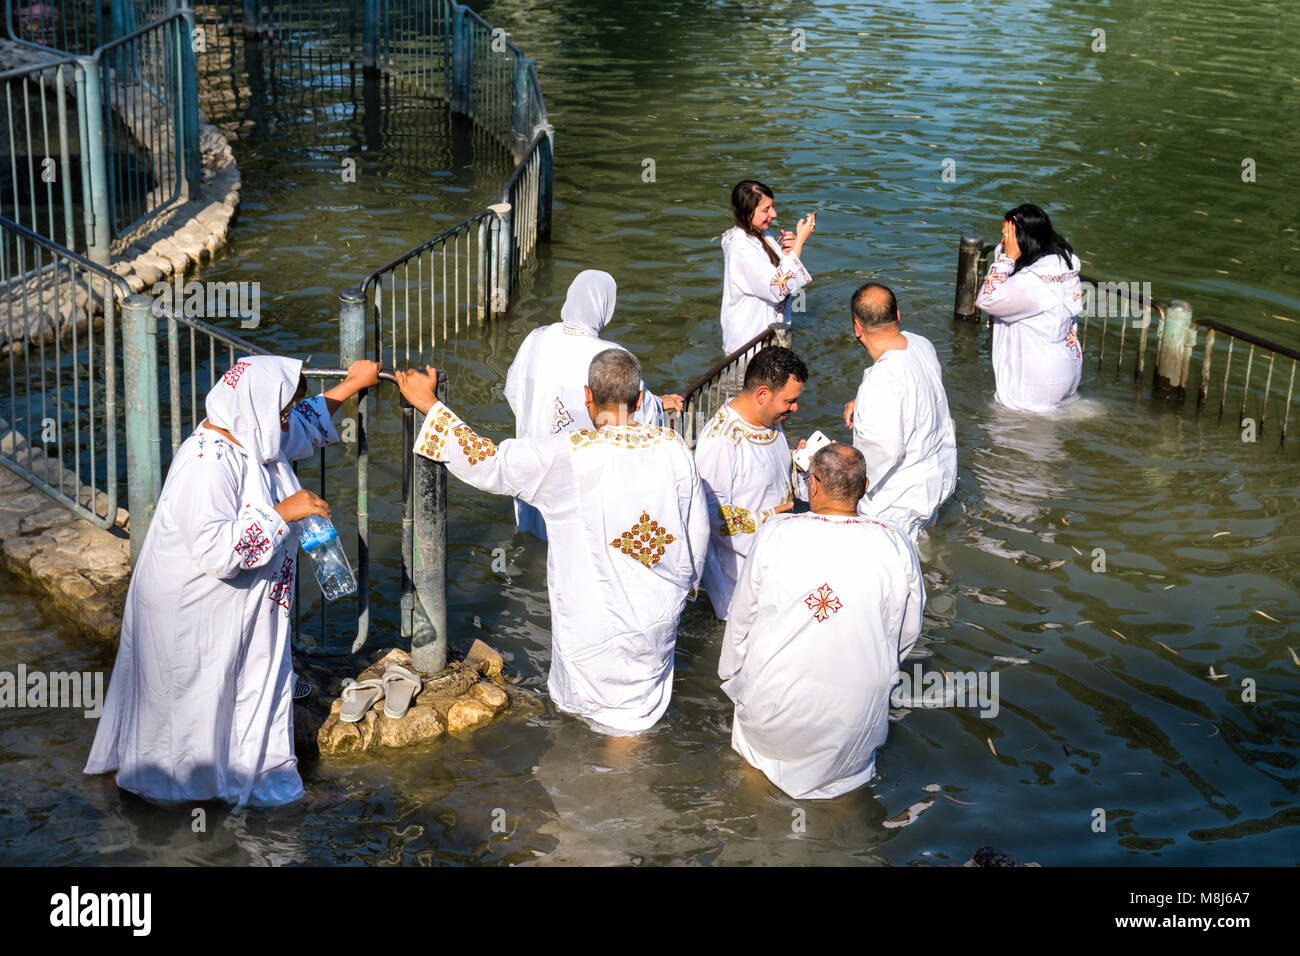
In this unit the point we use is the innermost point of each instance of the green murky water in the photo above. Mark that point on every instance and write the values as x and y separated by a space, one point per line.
1137 152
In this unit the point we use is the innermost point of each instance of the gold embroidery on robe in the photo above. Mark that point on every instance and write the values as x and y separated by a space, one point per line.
436 432
735 520
475 446
645 542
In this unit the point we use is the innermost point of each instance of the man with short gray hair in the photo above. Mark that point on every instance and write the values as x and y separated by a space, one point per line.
628 534
827 606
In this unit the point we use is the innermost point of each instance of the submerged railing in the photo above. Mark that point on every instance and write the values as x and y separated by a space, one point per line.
1116 329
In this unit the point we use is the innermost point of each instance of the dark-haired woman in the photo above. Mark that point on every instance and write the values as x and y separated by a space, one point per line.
1033 293
760 274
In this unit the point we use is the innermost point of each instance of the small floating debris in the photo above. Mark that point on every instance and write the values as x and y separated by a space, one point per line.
1077 551
991 747
1220 534
1273 619
1167 647
931 788
1214 676
1055 564
977 627
1118 634
964 803
1081 623
1011 660
1168 586
1066 522
908 816
1295 659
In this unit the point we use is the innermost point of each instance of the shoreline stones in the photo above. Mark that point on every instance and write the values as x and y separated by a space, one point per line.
466 695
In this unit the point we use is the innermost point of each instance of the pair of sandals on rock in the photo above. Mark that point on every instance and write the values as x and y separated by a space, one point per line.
397 688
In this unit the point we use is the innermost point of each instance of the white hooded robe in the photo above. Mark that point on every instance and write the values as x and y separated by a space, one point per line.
755 293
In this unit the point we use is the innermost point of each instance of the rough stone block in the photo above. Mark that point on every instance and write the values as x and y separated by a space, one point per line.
466 714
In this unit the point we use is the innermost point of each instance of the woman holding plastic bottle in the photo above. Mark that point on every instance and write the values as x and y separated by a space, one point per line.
200 704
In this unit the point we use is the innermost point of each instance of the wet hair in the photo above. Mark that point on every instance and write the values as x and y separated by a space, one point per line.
614 378
773 367
746 196
874 306
841 471
1036 237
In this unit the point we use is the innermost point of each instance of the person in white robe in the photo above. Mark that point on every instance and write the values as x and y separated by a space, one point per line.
625 514
828 605
1033 292
759 274
200 702
544 385
900 417
746 466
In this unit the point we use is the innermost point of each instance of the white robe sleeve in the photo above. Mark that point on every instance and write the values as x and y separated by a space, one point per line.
879 431
517 467
1010 298
310 427
742 616
755 275
224 534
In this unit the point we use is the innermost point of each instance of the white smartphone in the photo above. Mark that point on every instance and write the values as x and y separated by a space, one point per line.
816 442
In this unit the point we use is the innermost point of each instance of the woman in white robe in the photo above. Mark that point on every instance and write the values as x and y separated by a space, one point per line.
200 704
1033 293
759 274
544 386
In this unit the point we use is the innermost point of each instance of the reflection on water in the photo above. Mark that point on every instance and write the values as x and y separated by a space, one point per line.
1121 549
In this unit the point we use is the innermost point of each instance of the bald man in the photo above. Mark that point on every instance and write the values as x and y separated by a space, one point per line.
827 606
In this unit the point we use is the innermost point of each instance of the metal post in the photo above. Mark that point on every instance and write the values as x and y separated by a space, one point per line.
502 252
968 278
521 118
462 60
94 152
370 35
481 265
1175 352
188 122
429 573
546 183
121 19
352 346
252 19
143 461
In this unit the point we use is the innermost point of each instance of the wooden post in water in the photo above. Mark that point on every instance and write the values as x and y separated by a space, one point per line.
1175 355
968 278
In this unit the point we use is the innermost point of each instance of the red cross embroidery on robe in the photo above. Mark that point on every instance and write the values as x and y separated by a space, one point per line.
236 372
253 543
823 602
562 418
282 587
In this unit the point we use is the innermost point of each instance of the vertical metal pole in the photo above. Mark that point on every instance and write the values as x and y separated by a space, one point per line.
1175 352
968 278
352 346
429 570
521 126
93 148
481 268
370 35
140 365
252 19
462 60
546 184
188 120
502 251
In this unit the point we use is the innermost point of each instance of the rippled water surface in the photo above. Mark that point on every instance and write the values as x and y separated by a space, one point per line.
1136 152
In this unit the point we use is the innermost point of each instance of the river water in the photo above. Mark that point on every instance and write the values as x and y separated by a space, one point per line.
1123 550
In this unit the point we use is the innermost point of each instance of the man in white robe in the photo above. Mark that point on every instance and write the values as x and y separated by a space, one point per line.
828 605
545 382
625 513
900 417
745 464
200 704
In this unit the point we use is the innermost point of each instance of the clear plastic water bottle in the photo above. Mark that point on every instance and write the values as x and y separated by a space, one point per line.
320 542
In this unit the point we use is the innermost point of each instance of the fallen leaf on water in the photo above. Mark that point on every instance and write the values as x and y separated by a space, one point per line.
1055 564
1168 586
1078 623
1011 660
1214 676
1076 550
964 803
991 747
1220 534
1167 647
1273 619
1065 521
908 816
1293 657
1118 634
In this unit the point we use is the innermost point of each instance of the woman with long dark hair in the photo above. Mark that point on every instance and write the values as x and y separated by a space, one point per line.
1033 293
760 274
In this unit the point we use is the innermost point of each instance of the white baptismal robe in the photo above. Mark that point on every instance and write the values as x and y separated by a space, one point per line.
826 609
200 704
902 426
746 471
755 293
1037 359
544 388
625 513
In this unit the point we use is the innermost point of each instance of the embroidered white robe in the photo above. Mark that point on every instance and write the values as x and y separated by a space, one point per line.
200 703
1037 359
826 609
544 385
625 514
902 426
755 293
747 474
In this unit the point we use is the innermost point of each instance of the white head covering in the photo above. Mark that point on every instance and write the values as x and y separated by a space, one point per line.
589 303
248 399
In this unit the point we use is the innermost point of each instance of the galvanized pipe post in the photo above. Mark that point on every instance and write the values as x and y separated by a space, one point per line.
143 458
95 156
502 253
462 60
252 19
521 126
352 346
968 278
429 570
187 131
1174 357
370 35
